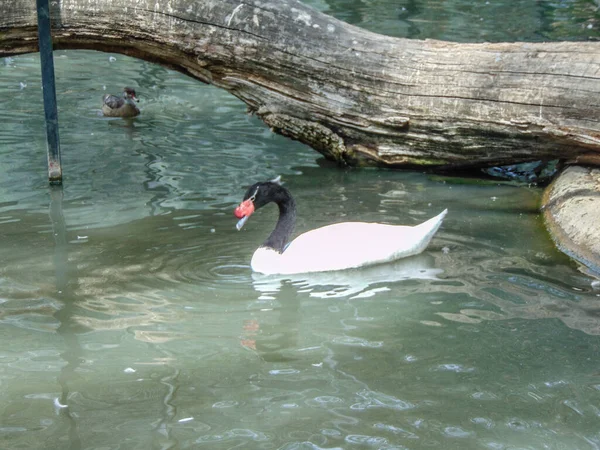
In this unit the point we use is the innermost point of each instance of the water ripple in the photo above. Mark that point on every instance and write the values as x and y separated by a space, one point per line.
371 441
458 368
244 435
356 341
378 400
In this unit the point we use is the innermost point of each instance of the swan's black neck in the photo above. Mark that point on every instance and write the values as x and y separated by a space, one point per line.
286 223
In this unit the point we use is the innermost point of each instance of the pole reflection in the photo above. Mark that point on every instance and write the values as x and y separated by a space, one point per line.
73 353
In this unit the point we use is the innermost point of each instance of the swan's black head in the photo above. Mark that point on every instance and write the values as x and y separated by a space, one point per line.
257 196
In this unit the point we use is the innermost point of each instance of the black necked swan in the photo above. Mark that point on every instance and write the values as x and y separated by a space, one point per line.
339 246
113 106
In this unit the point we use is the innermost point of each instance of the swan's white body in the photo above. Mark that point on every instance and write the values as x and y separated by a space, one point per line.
346 245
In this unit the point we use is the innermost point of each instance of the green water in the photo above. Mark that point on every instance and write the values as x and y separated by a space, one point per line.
130 319
472 20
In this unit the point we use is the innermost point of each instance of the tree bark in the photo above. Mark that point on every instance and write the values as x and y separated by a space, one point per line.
357 97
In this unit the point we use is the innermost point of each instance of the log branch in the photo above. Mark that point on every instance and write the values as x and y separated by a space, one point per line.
357 97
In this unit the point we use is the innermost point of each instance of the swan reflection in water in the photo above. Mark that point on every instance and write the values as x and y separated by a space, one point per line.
349 284
353 283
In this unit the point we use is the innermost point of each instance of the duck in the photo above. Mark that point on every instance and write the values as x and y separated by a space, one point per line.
113 106
339 246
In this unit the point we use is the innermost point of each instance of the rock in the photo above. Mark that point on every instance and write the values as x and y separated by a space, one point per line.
529 172
571 206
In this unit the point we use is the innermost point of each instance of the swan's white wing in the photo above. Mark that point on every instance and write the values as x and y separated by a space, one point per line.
346 245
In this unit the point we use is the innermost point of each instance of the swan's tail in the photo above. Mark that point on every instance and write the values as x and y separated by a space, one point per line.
427 229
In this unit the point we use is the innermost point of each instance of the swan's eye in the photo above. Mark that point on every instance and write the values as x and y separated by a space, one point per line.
253 196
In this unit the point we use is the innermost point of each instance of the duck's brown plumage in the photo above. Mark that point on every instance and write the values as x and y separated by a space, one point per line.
113 106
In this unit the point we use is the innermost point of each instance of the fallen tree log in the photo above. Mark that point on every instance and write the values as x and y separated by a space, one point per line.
357 97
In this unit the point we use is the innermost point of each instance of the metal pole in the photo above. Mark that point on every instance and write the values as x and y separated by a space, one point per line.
49 91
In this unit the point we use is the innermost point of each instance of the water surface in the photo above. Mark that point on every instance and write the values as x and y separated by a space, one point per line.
472 20
130 318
